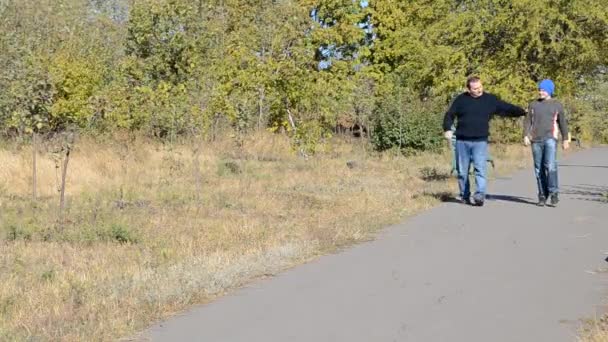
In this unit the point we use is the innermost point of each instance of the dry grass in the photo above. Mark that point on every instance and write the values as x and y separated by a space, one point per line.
150 232
596 331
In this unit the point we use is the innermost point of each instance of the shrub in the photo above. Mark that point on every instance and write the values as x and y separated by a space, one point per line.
407 123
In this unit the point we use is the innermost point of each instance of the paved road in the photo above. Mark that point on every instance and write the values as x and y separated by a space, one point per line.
509 271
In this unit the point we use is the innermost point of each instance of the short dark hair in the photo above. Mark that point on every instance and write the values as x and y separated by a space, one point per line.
472 79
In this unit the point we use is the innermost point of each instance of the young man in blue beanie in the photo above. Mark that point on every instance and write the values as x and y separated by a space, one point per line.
545 119
473 111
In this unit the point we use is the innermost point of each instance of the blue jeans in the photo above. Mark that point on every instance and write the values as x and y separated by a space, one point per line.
468 151
545 166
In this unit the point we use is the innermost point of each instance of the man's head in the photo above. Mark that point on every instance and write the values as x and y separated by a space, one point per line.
546 88
474 86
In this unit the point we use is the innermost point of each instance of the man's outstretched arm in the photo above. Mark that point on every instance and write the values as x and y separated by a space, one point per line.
506 109
528 127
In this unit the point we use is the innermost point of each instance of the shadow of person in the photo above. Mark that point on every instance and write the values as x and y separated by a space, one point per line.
508 198
587 192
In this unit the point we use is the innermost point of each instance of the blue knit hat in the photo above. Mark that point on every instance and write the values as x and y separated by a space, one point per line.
548 86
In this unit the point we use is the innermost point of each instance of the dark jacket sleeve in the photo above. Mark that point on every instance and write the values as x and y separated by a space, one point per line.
528 122
448 119
562 122
506 109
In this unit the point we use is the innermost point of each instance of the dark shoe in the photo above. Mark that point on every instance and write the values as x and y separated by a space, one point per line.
478 201
541 202
466 201
554 199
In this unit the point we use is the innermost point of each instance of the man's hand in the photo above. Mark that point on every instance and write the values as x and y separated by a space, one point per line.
566 144
527 140
448 134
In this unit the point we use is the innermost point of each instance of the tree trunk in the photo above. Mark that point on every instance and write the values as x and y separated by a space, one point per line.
34 167
64 173
260 107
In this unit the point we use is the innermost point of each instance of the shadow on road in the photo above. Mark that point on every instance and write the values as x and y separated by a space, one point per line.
589 166
443 196
447 197
583 192
587 192
507 198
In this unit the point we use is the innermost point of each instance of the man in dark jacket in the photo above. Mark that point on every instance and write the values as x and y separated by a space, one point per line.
545 119
473 111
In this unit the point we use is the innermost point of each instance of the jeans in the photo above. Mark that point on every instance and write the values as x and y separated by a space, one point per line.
468 151
455 160
545 166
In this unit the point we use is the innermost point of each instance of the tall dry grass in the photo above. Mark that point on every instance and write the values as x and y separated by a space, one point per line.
151 229
595 331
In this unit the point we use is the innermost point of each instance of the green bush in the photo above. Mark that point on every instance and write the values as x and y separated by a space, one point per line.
122 234
408 124
506 130
16 232
588 116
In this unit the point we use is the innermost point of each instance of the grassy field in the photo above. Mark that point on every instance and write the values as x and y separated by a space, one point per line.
151 229
596 331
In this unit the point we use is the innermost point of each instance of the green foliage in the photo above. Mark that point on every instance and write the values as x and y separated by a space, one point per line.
588 114
75 80
159 35
53 75
119 233
506 130
179 67
28 105
509 44
310 136
16 232
405 122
